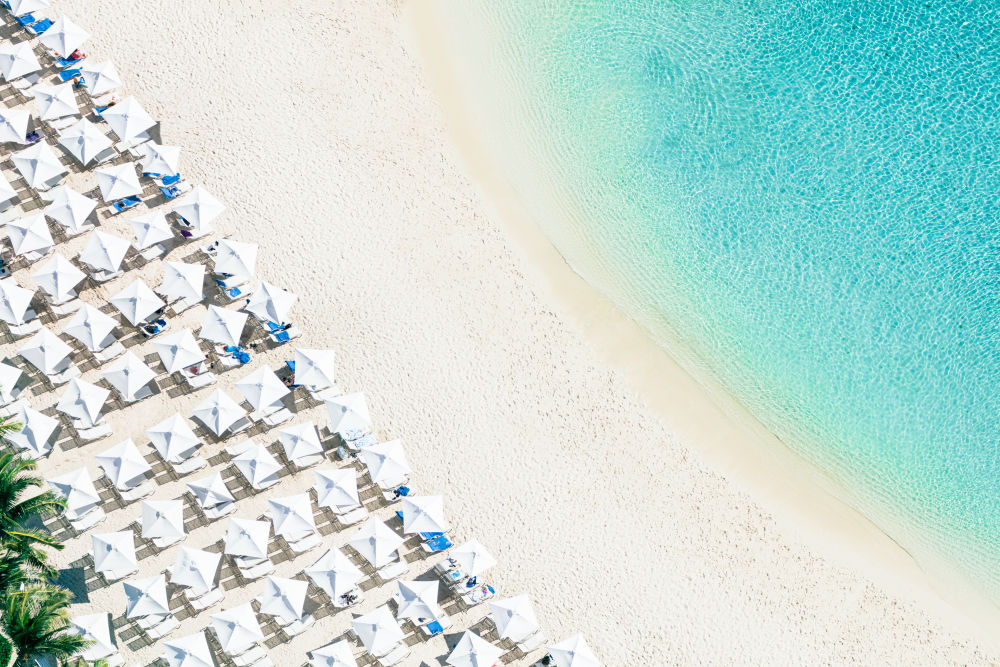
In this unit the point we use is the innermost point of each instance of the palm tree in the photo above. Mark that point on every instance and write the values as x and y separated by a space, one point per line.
15 509
36 620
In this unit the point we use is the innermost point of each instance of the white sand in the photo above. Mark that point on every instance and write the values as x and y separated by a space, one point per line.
313 121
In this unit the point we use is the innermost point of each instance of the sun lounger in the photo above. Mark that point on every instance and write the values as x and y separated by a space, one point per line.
103 276
68 74
63 63
151 621
63 123
356 515
25 20
114 660
257 571
38 27
88 520
142 490
203 602
243 424
65 308
153 252
112 351
191 465
249 657
164 542
285 336
395 656
478 595
120 574
64 376
200 380
129 144
125 204
93 433
304 462
534 642
25 82
220 510
262 662
393 570
140 395
176 190
21 330
163 629
298 627
308 542
436 627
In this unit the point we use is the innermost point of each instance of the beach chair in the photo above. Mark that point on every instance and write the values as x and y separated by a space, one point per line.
220 510
153 252
393 570
257 571
278 417
203 602
352 517
189 466
38 27
110 352
63 63
29 327
163 629
310 541
125 204
25 20
532 643
143 490
395 656
436 626
248 657
161 180
88 520
175 191
297 627
114 660
282 337
151 621
65 375
164 542
104 276
436 545
68 74
93 433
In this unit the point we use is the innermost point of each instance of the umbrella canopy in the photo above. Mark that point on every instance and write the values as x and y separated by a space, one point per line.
104 251
162 519
337 654
77 488
58 277
13 125
271 303
123 463
514 617
210 491
386 461
114 552
573 652
84 140
54 101
474 651
100 77
247 538
45 351
183 280
95 628
300 441
337 488
237 629
222 326
376 542
348 414
38 165
189 651
236 258
257 465
64 37
314 368
199 208
83 400
90 326
334 573
14 301
128 374
424 514
7 190
262 388
70 208
146 596
195 568
35 432
118 181
284 598
29 234
22 7
178 351
164 160
378 630
128 119
218 412
418 599
137 302
9 377
151 228
292 516
16 60
472 557
173 438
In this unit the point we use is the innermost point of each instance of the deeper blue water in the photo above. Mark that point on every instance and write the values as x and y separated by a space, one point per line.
807 195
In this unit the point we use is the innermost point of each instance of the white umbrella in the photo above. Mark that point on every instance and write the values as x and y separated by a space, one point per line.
145 597
14 301
54 101
178 351
210 491
314 368
114 552
83 400
128 374
378 630
16 60
189 651
22 7
162 519
262 388
284 598
376 542
474 651
257 465
195 568
123 463
300 441
386 461
173 438
91 327
64 36
136 302
236 258
348 414
160 159
292 516
13 125
128 119
418 599
30 234
574 652
237 629
183 280
337 488
222 326
95 628
335 574
58 277
100 77
337 654
199 208
38 164
70 208
7 190
424 514
118 181
35 432
104 251
45 351
247 538
9 377
218 412
84 140
514 617
78 490
151 228
472 557
271 303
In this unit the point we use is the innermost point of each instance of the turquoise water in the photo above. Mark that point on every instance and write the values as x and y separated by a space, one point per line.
804 194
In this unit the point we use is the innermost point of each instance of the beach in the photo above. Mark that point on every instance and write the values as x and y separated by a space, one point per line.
629 505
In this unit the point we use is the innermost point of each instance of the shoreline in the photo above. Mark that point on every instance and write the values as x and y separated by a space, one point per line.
712 423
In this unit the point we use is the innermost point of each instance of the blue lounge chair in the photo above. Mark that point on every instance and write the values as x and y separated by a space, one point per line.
291 365
125 204
281 337
39 27
68 74
231 292
170 180
171 192
63 63
274 327
434 628
25 20
100 110
440 543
